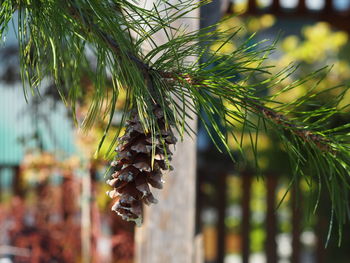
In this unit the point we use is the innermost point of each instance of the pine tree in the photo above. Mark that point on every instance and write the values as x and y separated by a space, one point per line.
64 41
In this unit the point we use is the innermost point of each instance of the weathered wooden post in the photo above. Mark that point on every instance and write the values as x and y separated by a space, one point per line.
168 230
167 233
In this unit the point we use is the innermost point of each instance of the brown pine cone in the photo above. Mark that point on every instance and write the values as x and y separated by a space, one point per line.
133 170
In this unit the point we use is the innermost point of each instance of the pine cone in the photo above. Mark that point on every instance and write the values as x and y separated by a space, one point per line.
133 172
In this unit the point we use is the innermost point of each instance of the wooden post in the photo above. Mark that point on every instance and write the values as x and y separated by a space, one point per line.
246 184
86 218
271 229
17 181
168 230
328 7
222 201
167 233
296 218
95 216
320 245
275 7
328 10
252 8
301 7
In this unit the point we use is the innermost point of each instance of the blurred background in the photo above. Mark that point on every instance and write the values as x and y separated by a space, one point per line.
53 206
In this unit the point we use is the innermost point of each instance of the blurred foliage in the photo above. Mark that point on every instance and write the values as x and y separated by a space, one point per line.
37 166
89 141
317 45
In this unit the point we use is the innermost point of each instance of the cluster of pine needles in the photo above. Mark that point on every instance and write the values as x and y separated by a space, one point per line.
66 40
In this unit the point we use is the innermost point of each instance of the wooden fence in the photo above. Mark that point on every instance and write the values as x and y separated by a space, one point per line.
214 170
217 177
337 15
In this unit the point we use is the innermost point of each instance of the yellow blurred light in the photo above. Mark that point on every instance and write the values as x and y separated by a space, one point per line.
341 68
253 24
240 7
231 24
267 20
263 162
292 95
290 43
282 193
343 105
263 143
317 32
340 38
227 48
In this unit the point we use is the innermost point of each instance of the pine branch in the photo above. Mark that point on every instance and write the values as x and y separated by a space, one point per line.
113 45
323 143
57 38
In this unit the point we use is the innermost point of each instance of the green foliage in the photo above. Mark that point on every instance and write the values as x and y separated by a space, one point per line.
68 40
319 99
